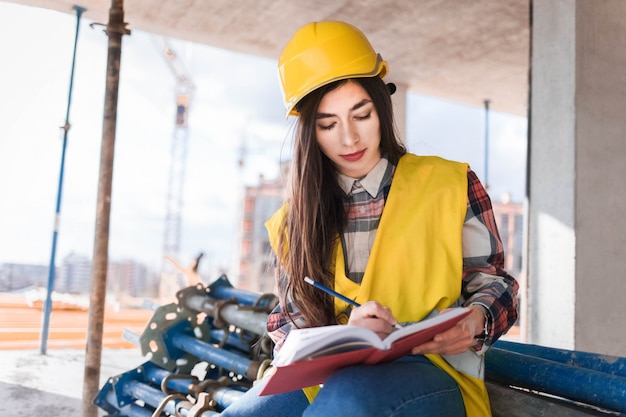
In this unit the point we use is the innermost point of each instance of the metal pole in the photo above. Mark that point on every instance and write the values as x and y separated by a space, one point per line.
43 346
115 29
486 144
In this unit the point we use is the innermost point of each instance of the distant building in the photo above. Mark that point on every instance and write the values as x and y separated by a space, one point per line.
131 278
256 262
124 278
74 275
15 277
510 220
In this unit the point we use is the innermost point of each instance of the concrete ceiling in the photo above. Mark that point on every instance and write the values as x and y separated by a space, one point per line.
465 51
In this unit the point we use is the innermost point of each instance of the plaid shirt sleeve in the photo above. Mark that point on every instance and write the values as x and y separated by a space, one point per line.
279 324
485 282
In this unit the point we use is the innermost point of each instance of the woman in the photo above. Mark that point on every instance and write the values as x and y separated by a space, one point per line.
405 236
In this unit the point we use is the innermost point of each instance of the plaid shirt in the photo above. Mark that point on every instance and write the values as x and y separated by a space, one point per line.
484 280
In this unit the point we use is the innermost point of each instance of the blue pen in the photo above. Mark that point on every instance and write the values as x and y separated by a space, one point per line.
336 294
331 292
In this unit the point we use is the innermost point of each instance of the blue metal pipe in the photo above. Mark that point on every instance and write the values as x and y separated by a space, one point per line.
226 396
150 396
119 396
574 383
107 399
214 355
223 396
118 403
156 375
232 340
133 410
602 363
43 346
222 289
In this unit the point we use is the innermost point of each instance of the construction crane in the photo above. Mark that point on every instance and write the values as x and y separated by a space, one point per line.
178 157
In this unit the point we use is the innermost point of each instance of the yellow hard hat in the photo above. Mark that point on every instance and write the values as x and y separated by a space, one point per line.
320 53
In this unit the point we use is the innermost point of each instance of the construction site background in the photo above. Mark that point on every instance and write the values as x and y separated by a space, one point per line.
21 318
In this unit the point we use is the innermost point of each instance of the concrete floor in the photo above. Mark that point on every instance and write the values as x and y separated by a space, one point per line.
51 385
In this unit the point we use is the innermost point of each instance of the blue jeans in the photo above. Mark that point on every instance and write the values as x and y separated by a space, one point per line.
411 386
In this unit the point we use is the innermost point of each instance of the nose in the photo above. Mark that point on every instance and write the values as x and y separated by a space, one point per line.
349 134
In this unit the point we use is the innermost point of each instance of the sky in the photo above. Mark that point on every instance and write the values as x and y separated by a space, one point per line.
236 112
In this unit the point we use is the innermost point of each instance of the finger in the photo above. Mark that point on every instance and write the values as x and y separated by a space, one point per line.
381 327
455 340
424 348
377 310
441 348
459 333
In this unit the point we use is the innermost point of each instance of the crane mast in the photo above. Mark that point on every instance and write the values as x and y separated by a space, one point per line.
178 157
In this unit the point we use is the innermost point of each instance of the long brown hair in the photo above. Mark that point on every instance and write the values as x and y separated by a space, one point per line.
315 215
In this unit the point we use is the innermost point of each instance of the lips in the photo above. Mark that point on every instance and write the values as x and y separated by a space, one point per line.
352 157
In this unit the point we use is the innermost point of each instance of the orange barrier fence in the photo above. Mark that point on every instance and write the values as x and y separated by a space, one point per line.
20 326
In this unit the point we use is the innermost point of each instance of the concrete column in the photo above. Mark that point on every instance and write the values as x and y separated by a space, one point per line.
577 181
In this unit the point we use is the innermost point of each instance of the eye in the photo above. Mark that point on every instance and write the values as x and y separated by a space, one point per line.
364 117
326 127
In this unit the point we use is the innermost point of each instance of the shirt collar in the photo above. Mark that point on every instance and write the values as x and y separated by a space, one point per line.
370 182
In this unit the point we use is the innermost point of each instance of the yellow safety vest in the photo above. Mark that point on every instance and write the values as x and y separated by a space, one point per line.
416 261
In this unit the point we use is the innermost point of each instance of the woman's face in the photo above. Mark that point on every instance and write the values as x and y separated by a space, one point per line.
348 129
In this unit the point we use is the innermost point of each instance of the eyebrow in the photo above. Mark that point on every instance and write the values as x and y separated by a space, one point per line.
353 108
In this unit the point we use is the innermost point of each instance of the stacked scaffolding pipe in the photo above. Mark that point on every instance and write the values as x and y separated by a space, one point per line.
582 378
205 351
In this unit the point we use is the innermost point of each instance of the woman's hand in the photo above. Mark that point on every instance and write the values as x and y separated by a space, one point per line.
375 317
457 339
